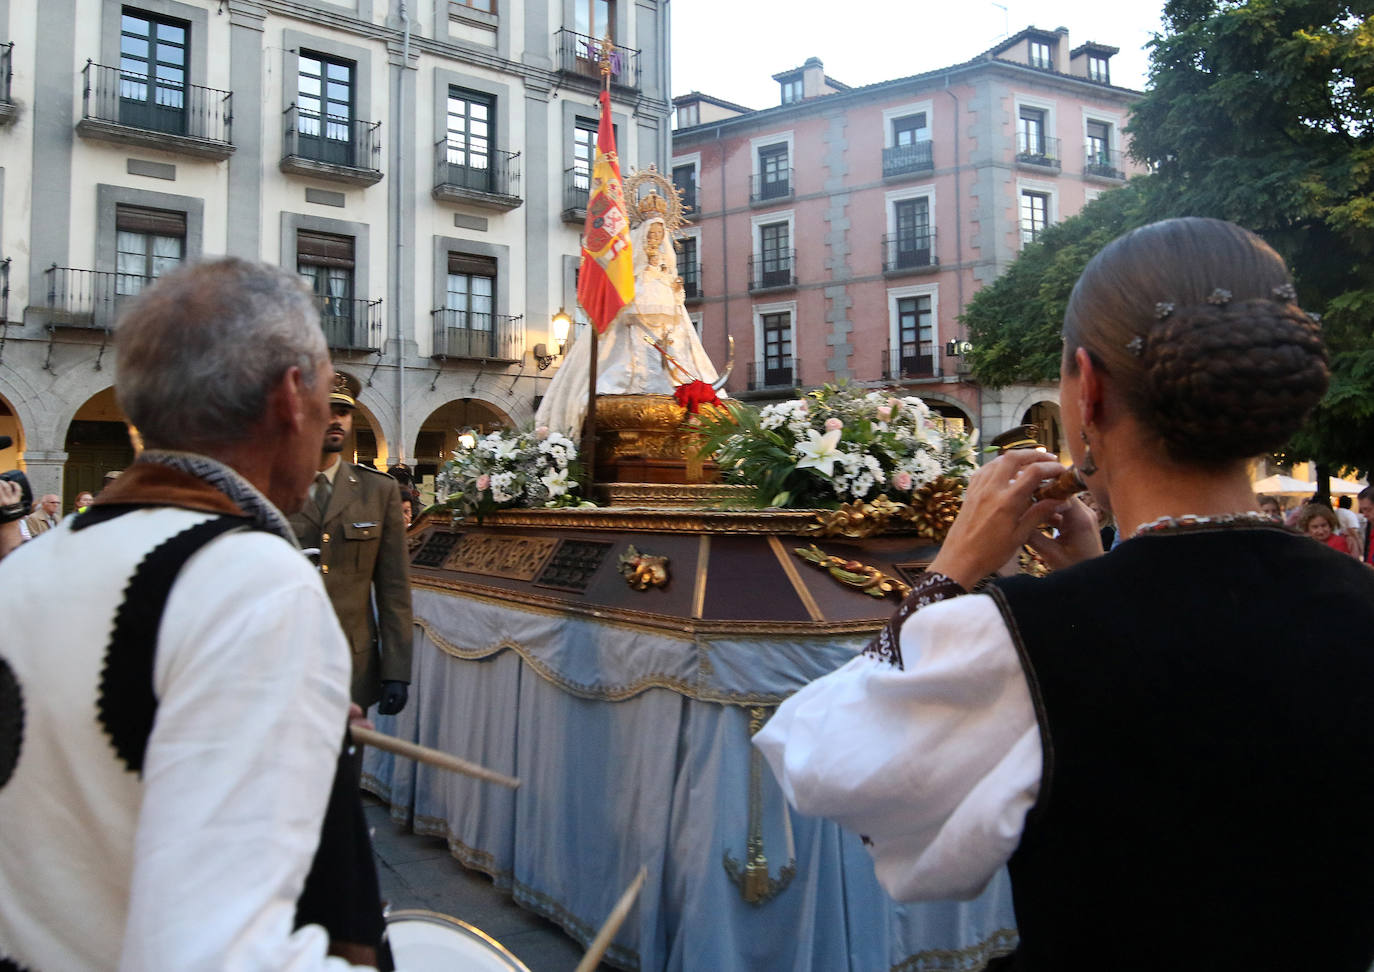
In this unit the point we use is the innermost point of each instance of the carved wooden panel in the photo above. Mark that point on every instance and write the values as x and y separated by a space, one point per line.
501 555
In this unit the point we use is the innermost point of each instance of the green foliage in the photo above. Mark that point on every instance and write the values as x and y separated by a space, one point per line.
1014 322
1263 113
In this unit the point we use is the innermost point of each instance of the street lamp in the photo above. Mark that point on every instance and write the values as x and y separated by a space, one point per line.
558 329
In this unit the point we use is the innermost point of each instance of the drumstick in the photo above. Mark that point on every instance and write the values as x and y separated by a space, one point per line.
434 757
602 941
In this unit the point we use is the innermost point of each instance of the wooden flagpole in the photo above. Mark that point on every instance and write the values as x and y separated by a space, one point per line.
589 424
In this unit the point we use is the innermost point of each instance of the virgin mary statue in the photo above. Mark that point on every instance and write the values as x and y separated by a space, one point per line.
650 348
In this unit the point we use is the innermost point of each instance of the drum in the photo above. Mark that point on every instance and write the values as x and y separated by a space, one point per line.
426 941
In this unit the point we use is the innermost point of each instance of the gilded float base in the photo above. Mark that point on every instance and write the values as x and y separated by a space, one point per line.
642 439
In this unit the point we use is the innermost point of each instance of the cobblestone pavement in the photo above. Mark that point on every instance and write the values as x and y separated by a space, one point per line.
419 872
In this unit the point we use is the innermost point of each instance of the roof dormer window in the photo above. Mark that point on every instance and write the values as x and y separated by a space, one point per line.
1098 70
792 91
1041 55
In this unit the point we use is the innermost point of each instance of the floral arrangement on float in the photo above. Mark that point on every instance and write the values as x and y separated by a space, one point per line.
529 467
878 461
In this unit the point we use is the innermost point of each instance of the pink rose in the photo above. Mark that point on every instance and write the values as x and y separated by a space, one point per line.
884 413
542 432
483 481
902 481
831 424
894 404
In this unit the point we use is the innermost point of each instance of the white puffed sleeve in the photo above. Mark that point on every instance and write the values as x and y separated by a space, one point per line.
935 763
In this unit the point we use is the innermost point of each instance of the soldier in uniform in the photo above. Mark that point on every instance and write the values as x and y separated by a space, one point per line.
353 517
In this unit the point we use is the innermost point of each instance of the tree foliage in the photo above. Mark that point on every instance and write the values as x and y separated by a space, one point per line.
1262 113
1014 322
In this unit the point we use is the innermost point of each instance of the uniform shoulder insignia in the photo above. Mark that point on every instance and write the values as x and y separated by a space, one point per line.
372 469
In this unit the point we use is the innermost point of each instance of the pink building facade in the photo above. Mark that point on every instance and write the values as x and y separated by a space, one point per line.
841 234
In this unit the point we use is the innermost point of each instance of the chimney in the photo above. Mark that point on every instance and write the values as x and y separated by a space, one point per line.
813 78
1061 50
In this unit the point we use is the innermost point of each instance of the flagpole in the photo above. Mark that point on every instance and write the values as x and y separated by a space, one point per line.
589 426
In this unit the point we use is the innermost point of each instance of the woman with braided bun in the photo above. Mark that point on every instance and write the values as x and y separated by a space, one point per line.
1174 766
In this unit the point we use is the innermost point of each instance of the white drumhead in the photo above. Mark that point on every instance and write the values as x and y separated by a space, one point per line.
426 941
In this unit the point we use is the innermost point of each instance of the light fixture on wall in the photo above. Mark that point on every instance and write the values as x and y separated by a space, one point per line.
467 438
558 329
958 349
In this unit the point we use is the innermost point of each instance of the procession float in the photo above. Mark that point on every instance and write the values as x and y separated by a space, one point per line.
613 600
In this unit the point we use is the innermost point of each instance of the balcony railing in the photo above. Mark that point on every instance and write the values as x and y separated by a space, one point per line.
88 298
765 188
4 293
773 373
1102 163
909 251
492 179
1040 150
332 147
903 159
909 361
577 185
776 268
350 323
121 106
690 272
580 55
489 337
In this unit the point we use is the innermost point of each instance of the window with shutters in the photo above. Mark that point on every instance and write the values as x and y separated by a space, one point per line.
327 263
148 243
916 336
777 349
471 327
470 119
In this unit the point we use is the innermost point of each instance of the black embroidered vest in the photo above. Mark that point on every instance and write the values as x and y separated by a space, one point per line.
1206 704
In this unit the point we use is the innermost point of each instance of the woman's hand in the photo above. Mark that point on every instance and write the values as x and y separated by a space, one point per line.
998 515
1079 537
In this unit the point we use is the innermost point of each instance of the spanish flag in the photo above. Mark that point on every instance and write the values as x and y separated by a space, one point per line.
606 281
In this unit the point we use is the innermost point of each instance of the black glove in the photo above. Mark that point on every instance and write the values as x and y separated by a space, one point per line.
394 695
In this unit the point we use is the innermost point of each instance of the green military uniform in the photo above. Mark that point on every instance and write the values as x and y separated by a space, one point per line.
362 543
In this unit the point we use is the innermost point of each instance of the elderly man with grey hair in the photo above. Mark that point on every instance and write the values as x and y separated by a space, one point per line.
169 743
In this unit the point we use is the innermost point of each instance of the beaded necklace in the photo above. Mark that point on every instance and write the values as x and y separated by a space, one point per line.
1190 521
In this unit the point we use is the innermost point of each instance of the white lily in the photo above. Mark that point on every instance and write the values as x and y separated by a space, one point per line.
819 452
556 482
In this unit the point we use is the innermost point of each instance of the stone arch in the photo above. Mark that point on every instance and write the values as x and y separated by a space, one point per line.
437 435
950 408
97 441
12 425
1044 415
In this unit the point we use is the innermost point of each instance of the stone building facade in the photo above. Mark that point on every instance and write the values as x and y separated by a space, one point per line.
840 234
424 165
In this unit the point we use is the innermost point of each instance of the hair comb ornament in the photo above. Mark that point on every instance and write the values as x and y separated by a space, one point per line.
1163 309
1284 293
1219 297
1136 345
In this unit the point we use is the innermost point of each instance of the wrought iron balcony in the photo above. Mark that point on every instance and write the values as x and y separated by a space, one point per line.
9 111
88 298
486 337
350 323
768 189
909 251
774 373
1100 163
4 296
577 186
332 147
580 56
490 181
1041 151
909 361
135 109
776 268
907 159
690 272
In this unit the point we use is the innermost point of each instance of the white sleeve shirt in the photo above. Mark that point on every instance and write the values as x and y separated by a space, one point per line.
935 763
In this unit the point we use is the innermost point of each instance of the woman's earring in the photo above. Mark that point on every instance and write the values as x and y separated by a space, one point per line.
1088 468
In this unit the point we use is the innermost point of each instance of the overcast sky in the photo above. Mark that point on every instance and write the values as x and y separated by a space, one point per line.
731 48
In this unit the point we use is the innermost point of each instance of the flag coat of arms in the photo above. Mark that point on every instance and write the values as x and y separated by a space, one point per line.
606 281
